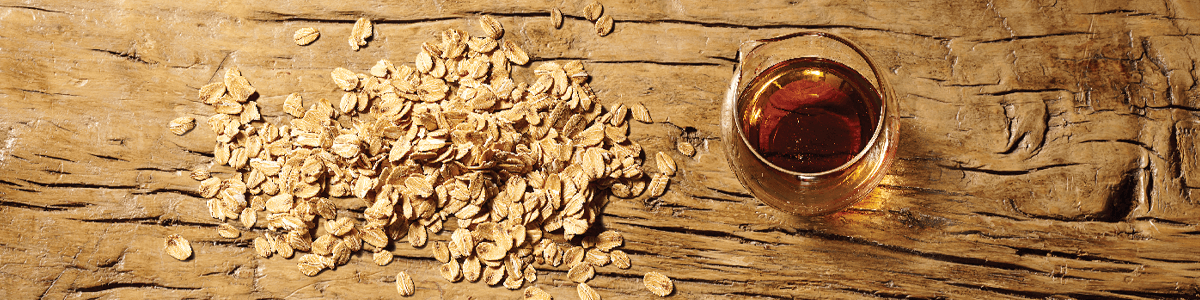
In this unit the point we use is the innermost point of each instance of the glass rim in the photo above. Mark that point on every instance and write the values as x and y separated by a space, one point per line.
882 88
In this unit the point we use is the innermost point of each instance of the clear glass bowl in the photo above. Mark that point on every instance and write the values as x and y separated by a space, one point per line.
813 193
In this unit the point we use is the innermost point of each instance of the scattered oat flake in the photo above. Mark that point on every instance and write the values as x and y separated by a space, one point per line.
620 259
609 240
182 125
451 271
604 25
640 113
598 258
310 269
658 284
586 292
344 79
515 54
405 285
200 174
178 247
249 217
262 247
593 11
293 105
536 293
666 164
556 18
491 28
382 257
658 185
359 34
581 272
228 231
684 147
212 92
305 36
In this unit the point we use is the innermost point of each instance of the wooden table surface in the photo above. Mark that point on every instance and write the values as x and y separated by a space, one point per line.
1047 148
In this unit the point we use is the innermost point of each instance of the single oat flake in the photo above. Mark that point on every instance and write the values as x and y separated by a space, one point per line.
536 293
305 36
491 28
684 147
178 247
581 272
620 259
586 292
360 33
658 284
666 164
262 247
658 185
382 257
604 25
182 125
405 285
228 231
593 11
200 174
640 113
556 18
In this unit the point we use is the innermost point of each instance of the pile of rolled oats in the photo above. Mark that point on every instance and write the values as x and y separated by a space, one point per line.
521 170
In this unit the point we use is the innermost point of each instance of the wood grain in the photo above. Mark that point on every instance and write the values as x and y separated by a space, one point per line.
1047 148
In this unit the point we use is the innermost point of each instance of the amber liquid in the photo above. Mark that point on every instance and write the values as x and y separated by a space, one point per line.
809 115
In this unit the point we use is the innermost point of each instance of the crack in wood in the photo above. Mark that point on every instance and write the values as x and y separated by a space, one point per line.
924 190
166 170
702 232
964 260
156 220
652 62
1008 172
30 206
781 26
717 199
880 294
351 18
985 234
108 157
80 185
1191 291
53 157
1030 37
117 285
1023 91
189 193
48 93
1023 251
35 8
133 57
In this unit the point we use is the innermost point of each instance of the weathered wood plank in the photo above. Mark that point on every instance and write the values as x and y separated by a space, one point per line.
1048 148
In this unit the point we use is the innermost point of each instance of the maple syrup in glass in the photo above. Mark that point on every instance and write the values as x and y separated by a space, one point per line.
809 122
809 115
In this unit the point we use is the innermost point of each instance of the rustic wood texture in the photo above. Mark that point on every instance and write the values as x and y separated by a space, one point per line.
1047 148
